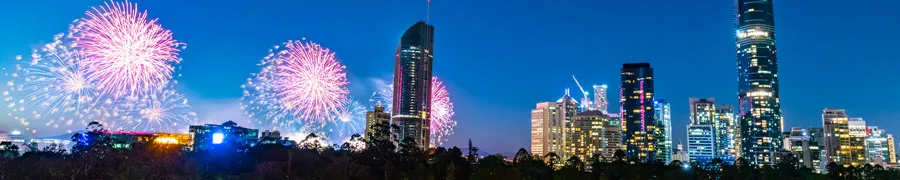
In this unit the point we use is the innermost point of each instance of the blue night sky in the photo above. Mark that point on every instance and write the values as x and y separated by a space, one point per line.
498 58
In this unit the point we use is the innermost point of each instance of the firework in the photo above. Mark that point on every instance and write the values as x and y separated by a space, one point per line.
126 53
442 113
162 111
51 88
351 119
299 86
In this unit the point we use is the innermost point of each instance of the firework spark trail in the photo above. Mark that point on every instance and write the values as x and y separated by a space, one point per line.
351 119
51 88
310 82
384 95
442 112
125 52
164 110
298 87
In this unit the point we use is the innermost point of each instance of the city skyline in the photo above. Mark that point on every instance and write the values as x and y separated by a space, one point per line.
474 93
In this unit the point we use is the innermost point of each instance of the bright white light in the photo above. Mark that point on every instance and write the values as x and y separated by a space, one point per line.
15 132
217 138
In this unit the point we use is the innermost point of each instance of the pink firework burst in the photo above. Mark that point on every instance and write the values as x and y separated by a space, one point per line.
442 122
124 51
309 81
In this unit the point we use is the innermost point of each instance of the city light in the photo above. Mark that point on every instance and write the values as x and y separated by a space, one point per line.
217 138
16 132
168 140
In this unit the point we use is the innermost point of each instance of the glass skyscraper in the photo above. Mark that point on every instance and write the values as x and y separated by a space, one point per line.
638 116
757 67
664 130
412 83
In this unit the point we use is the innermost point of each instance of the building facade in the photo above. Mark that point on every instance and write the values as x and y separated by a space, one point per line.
703 111
600 101
612 136
858 135
585 137
726 131
878 146
797 142
701 142
636 108
550 123
816 143
228 135
412 83
376 116
843 144
664 130
757 69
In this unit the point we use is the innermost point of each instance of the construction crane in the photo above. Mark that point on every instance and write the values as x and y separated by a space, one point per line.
585 101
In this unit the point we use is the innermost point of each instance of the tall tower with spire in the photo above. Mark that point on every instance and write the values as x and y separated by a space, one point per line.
757 69
412 83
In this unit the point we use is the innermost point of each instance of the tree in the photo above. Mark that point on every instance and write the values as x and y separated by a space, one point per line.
473 152
8 149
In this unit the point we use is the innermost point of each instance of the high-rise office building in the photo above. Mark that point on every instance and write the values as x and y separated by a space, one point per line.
757 69
703 111
600 101
612 136
636 108
837 135
858 135
701 142
816 142
726 131
844 137
546 129
797 142
550 122
664 130
376 116
878 148
585 137
568 107
412 83
892 152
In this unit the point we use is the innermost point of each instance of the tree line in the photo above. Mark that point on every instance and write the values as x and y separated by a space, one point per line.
376 156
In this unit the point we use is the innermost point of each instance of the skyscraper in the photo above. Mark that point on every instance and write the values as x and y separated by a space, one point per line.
816 142
703 111
701 144
757 69
412 83
726 130
546 129
600 101
636 107
858 133
550 122
664 130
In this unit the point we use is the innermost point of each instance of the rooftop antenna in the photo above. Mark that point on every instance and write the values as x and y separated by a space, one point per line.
428 11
